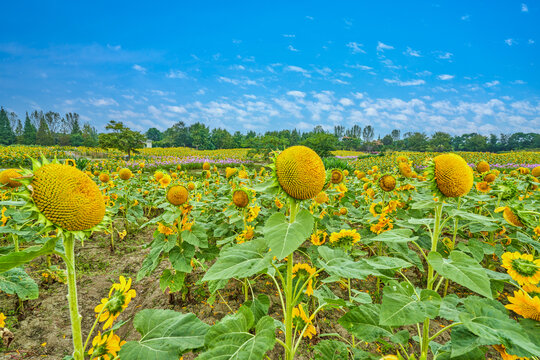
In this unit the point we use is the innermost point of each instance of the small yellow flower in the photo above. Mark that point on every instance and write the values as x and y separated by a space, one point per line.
523 268
2 320
304 271
301 320
318 238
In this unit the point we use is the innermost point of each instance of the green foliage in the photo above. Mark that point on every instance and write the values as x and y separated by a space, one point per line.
323 144
121 138
7 136
16 281
284 237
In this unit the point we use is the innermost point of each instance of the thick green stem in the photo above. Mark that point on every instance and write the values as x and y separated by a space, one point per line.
69 247
289 307
424 348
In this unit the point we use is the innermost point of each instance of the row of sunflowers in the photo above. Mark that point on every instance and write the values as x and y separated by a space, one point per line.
396 259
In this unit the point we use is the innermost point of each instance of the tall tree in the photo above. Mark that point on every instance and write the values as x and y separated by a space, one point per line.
200 136
121 138
368 133
154 134
396 134
441 141
29 132
44 136
89 136
7 137
339 131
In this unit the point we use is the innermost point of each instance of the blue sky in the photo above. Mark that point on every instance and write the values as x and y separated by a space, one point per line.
455 66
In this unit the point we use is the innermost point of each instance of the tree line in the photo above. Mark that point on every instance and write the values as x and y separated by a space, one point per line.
50 128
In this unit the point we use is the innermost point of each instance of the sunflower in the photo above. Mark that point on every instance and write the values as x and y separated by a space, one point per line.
301 321
536 172
401 159
510 216
230 172
300 172
2 320
376 209
119 298
253 212
3 218
177 195
321 198
67 197
505 356
165 230
523 304
7 176
344 238
387 183
104 178
318 238
405 169
158 175
105 347
451 175
336 176
243 174
125 174
384 224
482 167
240 198
489 178
360 175
191 186
304 271
165 181
483 186
206 166
278 203
522 267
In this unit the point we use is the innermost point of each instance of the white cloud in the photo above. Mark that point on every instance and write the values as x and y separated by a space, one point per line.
298 69
424 73
139 68
292 48
346 102
102 102
310 17
201 92
406 83
177 109
114 47
236 41
289 35
492 83
346 74
530 41
358 95
412 52
524 8
518 82
296 93
340 82
510 42
361 67
465 17
176 74
355 47
445 77
240 82
382 46
446 55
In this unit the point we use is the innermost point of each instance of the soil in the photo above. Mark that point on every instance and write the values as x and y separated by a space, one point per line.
43 329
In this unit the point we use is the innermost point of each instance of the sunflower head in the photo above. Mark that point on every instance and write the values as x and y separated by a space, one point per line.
230 172
510 215
206 166
191 186
524 170
67 197
104 177
360 175
240 198
451 176
321 198
177 195
405 169
300 172
336 176
158 175
489 178
536 172
387 183
7 178
125 174
482 167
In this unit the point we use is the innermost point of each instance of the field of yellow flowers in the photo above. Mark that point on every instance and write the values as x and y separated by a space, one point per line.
393 256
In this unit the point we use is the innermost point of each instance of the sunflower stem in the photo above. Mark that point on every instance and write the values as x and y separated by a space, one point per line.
69 247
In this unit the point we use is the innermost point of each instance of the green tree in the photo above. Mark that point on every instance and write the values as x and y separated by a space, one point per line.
416 141
222 139
44 136
121 138
154 134
322 143
200 136
441 141
7 137
29 132
90 136
387 140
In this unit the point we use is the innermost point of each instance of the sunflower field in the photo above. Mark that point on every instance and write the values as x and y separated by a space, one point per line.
389 256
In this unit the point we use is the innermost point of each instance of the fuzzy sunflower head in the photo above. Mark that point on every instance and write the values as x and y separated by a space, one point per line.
158 175
230 172
489 178
240 198
104 177
483 186
525 305
321 198
336 176
206 166
482 167
7 178
191 186
402 158
125 174
360 175
451 175
510 215
67 197
387 183
536 172
177 195
405 169
300 172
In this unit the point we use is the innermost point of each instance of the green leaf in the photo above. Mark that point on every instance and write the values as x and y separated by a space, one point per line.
259 307
230 339
524 238
463 270
284 237
338 263
387 263
401 305
395 236
331 350
450 308
166 335
363 322
240 261
15 259
174 280
472 216
17 281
